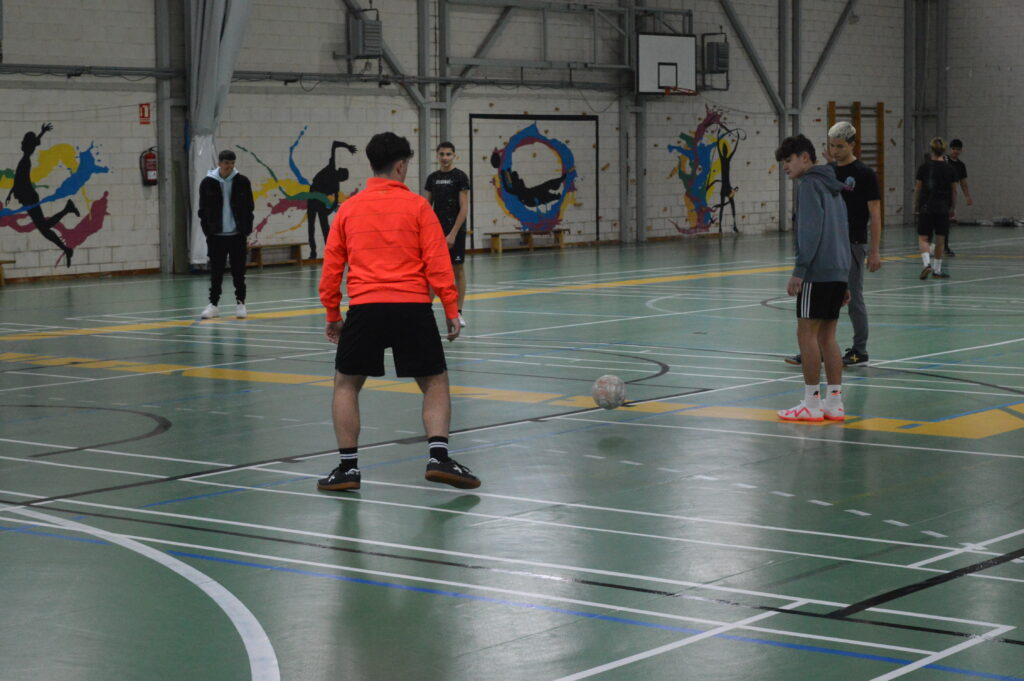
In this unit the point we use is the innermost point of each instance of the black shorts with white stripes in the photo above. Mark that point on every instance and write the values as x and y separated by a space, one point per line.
820 299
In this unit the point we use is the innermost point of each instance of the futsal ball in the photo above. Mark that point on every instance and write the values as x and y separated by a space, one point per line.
609 392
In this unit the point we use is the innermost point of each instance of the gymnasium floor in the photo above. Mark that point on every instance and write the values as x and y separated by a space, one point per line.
159 518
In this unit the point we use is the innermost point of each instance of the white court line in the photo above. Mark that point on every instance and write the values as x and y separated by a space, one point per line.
41 462
934 657
601 530
112 452
166 372
263 664
787 437
949 352
594 671
934 285
968 549
610 321
377 573
647 514
498 559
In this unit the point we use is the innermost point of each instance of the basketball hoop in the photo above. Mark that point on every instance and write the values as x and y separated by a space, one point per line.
679 91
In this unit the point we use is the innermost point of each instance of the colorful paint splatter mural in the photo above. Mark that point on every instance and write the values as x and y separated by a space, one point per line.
703 164
316 199
541 207
25 181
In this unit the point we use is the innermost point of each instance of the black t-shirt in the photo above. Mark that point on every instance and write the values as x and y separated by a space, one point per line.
959 167
937 178
860 185
444 191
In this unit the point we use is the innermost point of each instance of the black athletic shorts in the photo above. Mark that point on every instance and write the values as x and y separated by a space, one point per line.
409 329
929 224
820 299
458 249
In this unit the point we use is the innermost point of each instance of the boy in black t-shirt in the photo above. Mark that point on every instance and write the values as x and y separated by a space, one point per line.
934 202
864 219
955 148
447 190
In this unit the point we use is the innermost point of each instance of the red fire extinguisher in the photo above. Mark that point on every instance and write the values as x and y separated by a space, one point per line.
148 167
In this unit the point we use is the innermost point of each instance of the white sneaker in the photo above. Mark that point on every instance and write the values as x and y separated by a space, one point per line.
834 411
802 412
209 312
462 321
240 312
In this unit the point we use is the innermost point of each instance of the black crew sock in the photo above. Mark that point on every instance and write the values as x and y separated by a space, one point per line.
349 459
438 447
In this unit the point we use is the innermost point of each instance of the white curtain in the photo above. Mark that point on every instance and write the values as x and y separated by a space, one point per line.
217 28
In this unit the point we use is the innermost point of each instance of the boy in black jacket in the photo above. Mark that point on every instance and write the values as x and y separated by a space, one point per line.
226 215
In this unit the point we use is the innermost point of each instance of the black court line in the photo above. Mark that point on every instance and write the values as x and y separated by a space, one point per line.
162 426
926 584
300 457
523 573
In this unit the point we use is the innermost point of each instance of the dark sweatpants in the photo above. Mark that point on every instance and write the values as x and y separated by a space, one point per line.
219 249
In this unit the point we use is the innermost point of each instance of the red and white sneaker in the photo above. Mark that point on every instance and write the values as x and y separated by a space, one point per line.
802 412
833 412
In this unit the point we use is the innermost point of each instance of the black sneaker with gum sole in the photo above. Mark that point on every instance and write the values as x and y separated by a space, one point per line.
451 473
340 481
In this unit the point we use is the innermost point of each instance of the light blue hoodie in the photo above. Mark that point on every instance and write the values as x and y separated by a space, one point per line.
228 218
822 233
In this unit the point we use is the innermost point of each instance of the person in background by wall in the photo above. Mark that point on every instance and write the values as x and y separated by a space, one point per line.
226 209
955 148
864 219
934 203
447 191
819 279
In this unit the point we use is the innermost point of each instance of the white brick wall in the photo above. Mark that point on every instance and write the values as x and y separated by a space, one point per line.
986 96
107 119
107 33
266 118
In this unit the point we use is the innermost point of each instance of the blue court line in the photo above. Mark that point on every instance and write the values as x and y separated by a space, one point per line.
537 607
221 492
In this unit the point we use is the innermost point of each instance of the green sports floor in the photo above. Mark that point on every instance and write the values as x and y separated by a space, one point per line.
159 517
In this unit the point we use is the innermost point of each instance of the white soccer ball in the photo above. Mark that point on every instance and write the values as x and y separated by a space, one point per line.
609 392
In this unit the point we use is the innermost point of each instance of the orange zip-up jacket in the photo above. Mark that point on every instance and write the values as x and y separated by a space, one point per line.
395 250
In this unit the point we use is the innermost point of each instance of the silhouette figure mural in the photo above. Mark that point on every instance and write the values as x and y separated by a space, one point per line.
26 179
317 199
541 207
703 160
326 186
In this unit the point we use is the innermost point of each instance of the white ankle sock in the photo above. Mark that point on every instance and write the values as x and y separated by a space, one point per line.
812 396
937 265
834 393
925 258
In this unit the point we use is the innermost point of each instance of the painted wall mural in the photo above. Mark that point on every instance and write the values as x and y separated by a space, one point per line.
26 180
541 207
703 164
316 200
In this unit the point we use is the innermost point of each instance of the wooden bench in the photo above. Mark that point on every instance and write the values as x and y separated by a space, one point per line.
2 263
527 240
294 254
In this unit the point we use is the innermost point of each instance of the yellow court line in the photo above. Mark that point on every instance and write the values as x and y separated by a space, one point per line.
283 314
969 426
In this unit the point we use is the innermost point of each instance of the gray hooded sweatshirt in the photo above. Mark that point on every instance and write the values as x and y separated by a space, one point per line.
822 234
227 217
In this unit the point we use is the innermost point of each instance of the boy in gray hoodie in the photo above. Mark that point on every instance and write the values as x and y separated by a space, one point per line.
819 279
